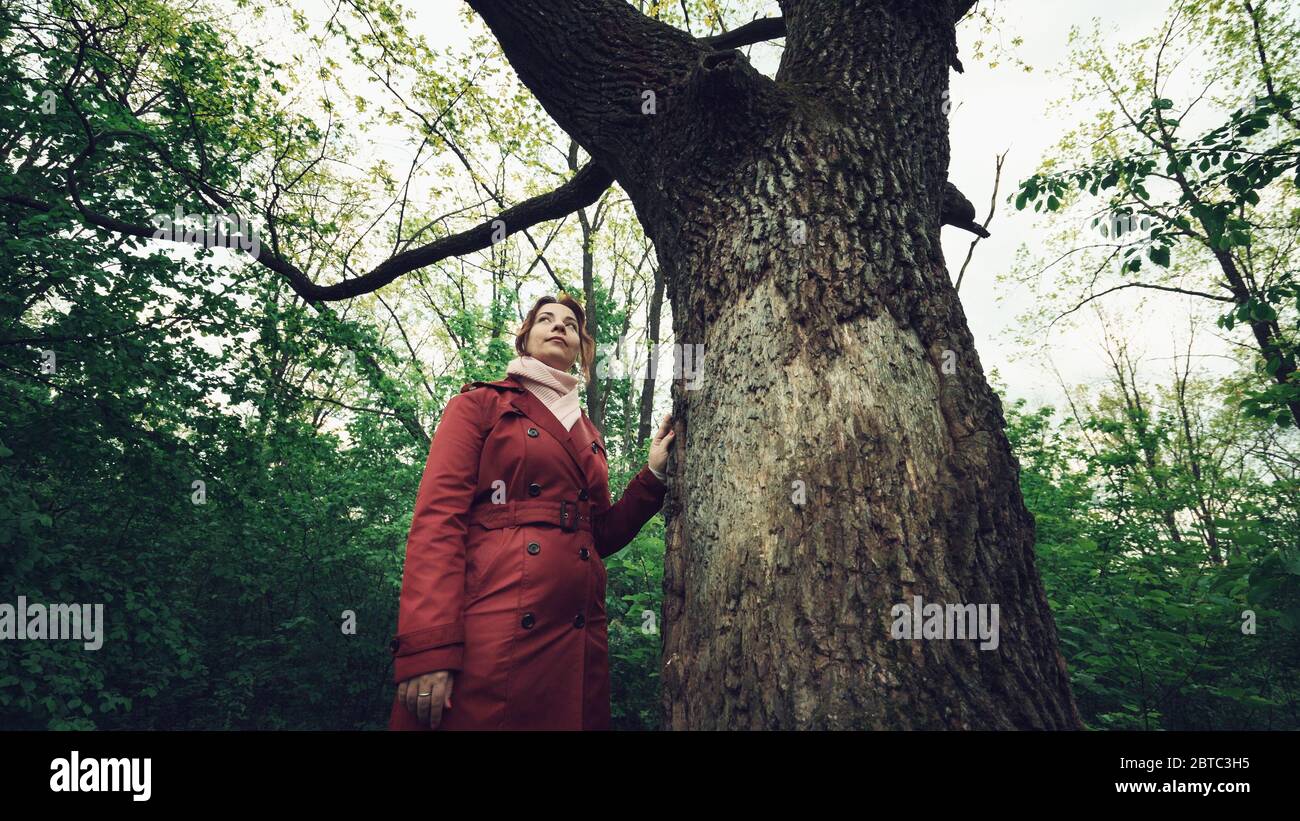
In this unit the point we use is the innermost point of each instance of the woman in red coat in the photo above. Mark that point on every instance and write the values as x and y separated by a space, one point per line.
501 623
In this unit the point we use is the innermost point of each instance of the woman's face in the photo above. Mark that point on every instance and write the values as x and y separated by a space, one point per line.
554 336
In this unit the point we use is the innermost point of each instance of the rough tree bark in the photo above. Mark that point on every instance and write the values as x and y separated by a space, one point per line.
841 451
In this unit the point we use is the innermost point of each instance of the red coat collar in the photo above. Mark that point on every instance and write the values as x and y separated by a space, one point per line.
524 402
508 383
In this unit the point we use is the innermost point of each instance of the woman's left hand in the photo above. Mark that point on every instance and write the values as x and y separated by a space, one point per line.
658 458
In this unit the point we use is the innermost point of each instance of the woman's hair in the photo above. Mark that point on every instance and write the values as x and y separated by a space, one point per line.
586 345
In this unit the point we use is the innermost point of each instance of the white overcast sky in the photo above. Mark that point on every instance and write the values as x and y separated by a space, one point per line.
996 109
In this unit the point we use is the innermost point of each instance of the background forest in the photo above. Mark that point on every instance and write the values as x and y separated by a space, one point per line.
231 468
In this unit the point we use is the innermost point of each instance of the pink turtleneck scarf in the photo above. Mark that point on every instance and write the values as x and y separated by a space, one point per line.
557 390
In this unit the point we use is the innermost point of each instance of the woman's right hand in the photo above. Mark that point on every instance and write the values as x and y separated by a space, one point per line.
659 443
426 696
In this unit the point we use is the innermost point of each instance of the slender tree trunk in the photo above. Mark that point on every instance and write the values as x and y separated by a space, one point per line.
1200 482
840 451
651 378
1266 333
595 388
1126 378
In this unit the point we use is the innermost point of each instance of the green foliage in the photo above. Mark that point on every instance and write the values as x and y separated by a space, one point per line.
129 374
1215 202
1221 161
220 614
634 606
1152 548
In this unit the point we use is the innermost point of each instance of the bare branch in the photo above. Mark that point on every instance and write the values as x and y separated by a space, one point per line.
993 204
1168 288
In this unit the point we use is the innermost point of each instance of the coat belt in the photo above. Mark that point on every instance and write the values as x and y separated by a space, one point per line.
564 514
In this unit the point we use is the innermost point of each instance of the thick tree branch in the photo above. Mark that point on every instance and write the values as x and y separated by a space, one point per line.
773 28
581 190
611 77
758 31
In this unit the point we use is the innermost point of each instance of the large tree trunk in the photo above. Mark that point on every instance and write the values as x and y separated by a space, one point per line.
841 451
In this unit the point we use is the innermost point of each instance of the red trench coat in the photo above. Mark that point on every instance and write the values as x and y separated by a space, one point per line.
504 580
